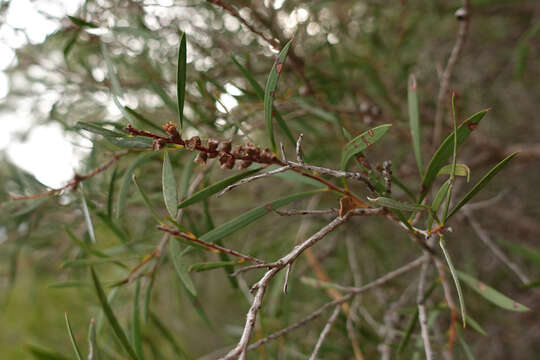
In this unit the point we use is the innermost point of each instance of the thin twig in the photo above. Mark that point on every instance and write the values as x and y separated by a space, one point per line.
325 332
76 180
422 317
210 246
462 15
314 315
484 236
293 212
253 178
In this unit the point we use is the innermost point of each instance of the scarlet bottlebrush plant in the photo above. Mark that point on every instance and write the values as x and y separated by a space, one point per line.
262 269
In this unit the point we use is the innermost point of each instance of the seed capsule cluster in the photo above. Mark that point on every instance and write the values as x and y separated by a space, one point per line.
227 154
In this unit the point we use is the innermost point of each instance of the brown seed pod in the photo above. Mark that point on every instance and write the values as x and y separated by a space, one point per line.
244 164
193 143
170 128
201 158
212 145
225 146
158 144
237 151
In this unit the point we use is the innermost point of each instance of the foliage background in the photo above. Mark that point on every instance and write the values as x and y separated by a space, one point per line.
357 56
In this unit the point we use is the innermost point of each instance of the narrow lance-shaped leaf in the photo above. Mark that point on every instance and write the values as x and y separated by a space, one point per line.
456 280
116 88
491 294
40 353
270 92
210 265
93 349
526 251
453 168
126 181
414 122
461 170
180 267
72 339
170 191
260 94
181 79
437 202
480 185
215 188
119 332
146 200
87 218
362 142
247 218
82 23
168 336
398 205
136 322
445 150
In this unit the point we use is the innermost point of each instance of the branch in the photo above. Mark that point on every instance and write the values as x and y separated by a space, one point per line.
77 179
462 15
422 317
324 333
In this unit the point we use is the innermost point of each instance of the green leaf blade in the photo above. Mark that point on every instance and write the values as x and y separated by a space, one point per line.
72 338
181 79
109 314
362 142
491 294
170 190
269 93
215 188
414 121
445 150
248 217
482 183
180 267
397 205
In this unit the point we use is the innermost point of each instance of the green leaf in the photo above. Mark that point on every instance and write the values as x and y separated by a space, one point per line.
72 338
95 129
126 181
180 267
110 193
146 200
69 44
362 142
247 218
445 150
215 188
40 353
181 79
166 334
491 294
437 202
456 280
93 349
398 205
116 88
260 94
186 174
170 191
87 218
211 265
119 332
454 159
466 349
136 322
470 321
526 251
461 170
414 122
483 182
66 284
269 92
82 23
134 142
143 119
